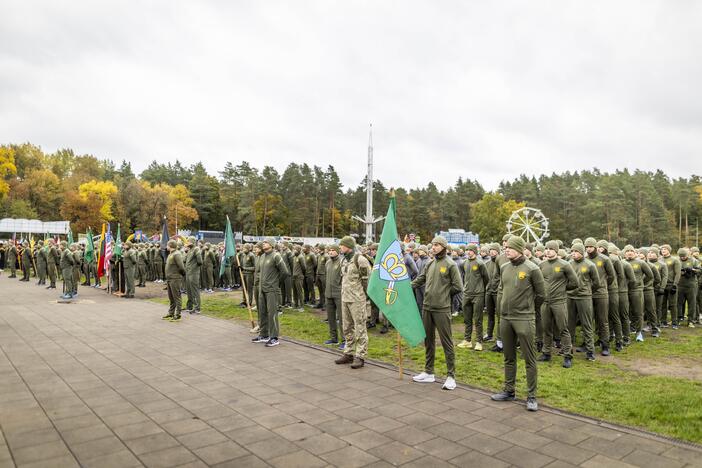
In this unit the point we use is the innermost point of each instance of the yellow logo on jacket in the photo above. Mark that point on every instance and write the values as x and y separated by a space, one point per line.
583 269
474 268
636 267
557 269
442 270
599 263
521 275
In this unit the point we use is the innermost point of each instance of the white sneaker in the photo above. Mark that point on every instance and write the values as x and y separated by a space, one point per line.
465 344
478 347
255 329
449 384
424 378
639 337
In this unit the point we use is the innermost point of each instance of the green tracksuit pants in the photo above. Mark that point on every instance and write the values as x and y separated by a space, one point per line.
519 332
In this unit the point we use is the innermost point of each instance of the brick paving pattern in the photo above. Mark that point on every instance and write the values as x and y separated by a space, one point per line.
104 382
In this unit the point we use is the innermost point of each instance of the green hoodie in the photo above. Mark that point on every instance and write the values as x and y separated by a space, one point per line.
588 278
559 276
521 290
442 281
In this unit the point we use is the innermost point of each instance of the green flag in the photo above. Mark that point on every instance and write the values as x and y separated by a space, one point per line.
117 251
70 237
229 246
89 247
390 287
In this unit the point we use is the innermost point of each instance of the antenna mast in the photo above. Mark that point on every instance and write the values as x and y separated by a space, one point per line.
369 220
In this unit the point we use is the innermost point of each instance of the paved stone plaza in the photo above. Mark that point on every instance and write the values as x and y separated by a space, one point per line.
105 382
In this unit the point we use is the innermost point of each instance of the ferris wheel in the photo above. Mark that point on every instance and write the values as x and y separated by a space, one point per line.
528 223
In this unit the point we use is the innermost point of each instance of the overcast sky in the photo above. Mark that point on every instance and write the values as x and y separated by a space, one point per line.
484 90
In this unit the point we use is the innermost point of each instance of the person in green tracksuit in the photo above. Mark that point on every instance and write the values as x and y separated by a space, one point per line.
494 286
298 277
642 272
559 277
695 252
129 261
613 317
11 261
670 295
158 265
77 262
332 293
320 274
272 267
66 264
310 262
208 261
193 266
26 261
248 265
52 262
175 274
475 280
654 293
687 288
142 264
491 292
258 251
521 293
441 280
580 300
42 259
600 294
625 280
619 302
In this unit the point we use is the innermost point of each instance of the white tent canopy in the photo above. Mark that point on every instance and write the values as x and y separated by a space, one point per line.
33 226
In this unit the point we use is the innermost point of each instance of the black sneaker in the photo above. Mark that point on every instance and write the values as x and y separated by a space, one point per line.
503 396
618 347
259 339
544 358
605 351
496 349
383 330
567 363
272 342
590 356
531 404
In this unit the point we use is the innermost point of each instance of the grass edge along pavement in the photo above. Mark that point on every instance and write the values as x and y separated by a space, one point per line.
603 390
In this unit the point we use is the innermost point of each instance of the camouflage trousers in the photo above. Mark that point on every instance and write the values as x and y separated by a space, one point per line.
354 326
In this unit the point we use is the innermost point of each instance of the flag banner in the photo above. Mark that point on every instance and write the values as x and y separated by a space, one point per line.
229 247
108 251
390 287
101 254
117 251
164 239
89 247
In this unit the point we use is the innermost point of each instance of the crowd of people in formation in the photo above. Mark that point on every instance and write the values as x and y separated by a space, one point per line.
535 296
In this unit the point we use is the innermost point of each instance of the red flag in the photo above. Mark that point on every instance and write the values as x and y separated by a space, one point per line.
101 254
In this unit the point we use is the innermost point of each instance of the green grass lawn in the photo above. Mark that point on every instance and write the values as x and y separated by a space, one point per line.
611 389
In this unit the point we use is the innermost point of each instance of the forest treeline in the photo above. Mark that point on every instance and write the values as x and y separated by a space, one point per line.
300 200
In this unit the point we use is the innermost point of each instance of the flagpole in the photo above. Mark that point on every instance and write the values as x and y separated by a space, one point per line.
399 352
246 298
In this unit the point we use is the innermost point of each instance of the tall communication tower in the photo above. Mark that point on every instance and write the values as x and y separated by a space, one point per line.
369 220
